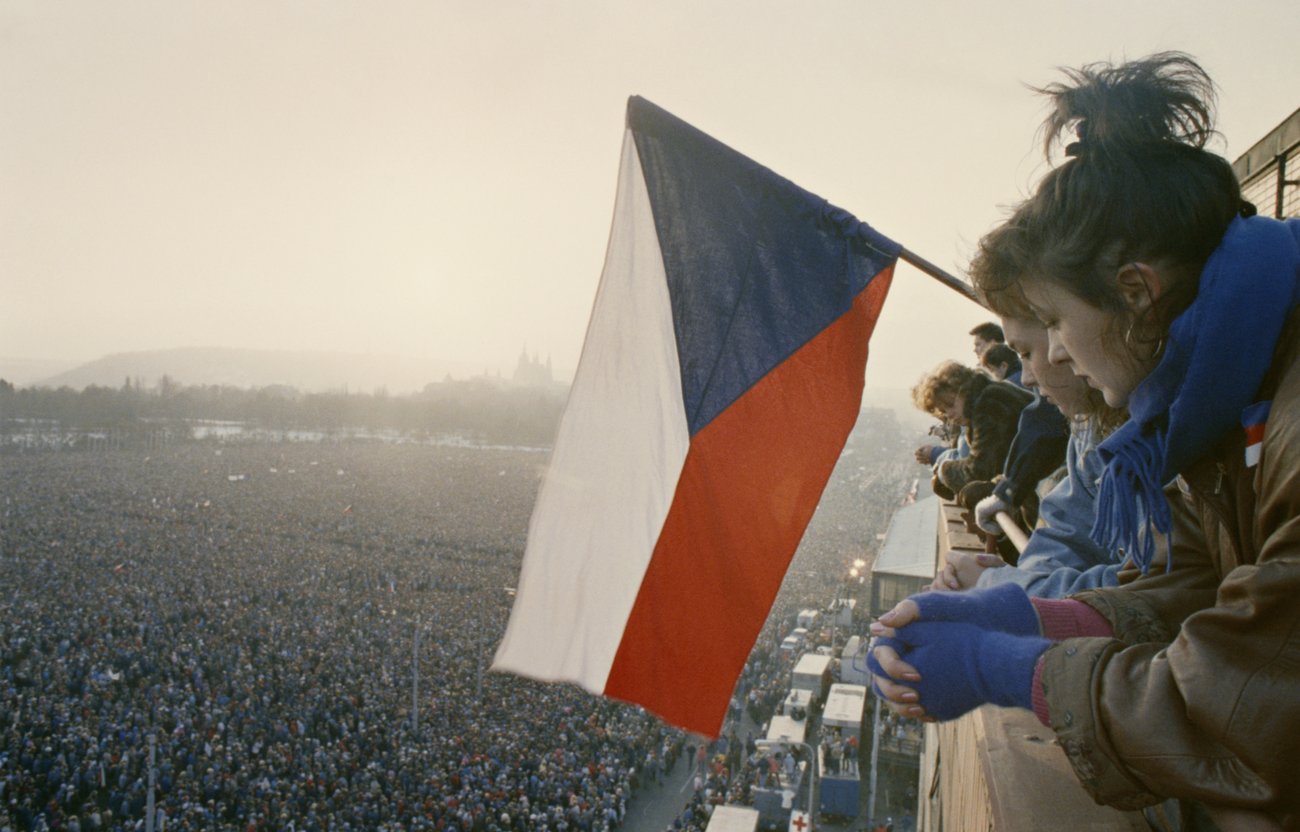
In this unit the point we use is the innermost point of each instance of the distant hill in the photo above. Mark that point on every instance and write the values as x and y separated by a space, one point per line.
307 371
25 371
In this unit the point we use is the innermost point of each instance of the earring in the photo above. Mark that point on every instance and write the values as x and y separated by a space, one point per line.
1128 342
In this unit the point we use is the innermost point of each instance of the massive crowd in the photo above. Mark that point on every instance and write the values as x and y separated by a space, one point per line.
254 607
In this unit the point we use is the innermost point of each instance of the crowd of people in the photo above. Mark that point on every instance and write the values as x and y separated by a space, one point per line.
254 609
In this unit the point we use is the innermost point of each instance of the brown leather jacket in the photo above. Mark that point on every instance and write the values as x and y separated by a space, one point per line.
1198 695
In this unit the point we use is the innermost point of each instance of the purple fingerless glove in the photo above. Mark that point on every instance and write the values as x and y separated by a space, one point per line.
1004 608
963 666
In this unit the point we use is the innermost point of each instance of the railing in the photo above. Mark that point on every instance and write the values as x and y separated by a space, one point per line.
1269 171
999 769
907 746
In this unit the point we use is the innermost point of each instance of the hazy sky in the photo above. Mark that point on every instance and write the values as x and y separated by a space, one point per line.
436 179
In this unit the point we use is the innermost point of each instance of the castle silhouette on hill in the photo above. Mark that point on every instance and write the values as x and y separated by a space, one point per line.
531 372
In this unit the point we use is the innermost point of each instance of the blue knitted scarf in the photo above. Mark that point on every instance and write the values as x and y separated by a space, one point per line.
1216 355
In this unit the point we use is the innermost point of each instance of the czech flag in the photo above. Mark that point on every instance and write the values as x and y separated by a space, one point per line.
721 374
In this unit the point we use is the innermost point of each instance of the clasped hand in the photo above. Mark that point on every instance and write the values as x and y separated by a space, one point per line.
938 655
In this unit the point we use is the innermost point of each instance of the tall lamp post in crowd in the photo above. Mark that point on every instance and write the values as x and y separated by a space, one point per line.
875 757
842 597
415 679
859 570
150 806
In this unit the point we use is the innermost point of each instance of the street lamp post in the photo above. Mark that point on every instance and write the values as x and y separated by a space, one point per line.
150 806
415 679
875 758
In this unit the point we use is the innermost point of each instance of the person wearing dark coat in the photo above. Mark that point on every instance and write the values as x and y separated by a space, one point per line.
1037 450
990 412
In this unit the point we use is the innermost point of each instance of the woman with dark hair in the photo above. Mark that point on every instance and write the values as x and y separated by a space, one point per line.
1159 287
1061 557
1001 363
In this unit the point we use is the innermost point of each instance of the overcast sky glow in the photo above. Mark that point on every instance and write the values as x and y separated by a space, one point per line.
436 178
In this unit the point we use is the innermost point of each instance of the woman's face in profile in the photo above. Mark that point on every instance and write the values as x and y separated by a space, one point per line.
953 408
1081 336
1056 382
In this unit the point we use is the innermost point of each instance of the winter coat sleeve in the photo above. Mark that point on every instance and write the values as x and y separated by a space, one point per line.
1196 696
1061 558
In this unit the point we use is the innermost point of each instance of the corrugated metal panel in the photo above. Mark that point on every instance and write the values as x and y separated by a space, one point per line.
910 542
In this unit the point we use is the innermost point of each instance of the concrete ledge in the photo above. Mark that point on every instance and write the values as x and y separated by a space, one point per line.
1000 768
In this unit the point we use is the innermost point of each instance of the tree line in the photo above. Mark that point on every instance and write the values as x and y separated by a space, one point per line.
478 409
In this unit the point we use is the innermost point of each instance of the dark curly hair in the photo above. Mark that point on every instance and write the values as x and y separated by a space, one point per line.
943 382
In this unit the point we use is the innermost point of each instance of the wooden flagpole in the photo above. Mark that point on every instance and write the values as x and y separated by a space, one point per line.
955 283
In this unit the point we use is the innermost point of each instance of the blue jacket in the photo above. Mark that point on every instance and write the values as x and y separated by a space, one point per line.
1061 558
961 449
1040 446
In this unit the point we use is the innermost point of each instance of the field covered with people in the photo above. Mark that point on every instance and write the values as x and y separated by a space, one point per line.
255 606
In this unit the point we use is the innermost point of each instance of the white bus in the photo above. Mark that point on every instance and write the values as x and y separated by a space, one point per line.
810 673
732 819
786 728
845 705
841 734
853 662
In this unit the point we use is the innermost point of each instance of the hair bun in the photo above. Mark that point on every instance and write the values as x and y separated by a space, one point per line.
1160 100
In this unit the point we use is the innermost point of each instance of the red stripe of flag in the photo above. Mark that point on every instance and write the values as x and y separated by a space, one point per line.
1255 433
751 482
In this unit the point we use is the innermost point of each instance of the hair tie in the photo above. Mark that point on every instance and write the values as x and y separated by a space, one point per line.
1080 147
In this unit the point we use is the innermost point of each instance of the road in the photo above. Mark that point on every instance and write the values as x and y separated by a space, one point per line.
655 806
